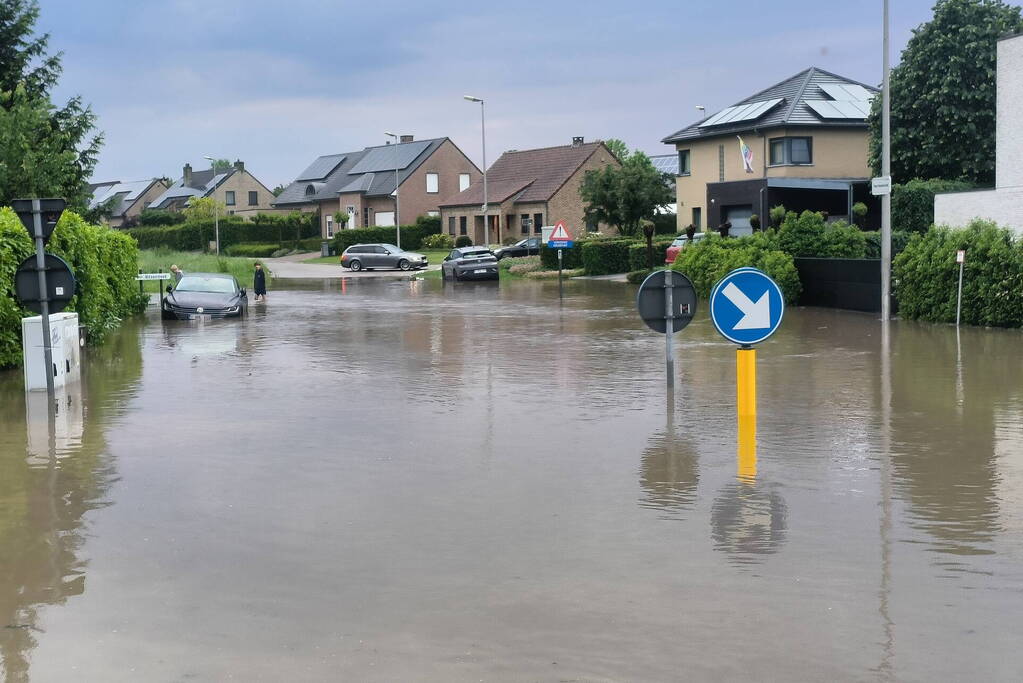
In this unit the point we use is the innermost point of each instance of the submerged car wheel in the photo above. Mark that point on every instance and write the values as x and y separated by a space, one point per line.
404 264
355 265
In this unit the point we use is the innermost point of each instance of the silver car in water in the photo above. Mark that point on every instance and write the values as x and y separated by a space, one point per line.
369 256
469 263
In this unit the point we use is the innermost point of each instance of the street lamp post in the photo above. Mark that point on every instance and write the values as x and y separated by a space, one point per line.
216 216
397 225
886 170
483 129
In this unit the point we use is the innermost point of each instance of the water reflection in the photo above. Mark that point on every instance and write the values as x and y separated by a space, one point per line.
52 473
749 519
669 474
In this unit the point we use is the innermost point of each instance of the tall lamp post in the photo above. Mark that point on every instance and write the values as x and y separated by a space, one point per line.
216 216
483 128
397 225
886 170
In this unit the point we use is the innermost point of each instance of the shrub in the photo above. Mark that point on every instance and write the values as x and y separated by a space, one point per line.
900 238
284 251
104 261
638 254
709 260
859 210
571 258
438 241
508 263
665 224
913 202
429 225
841 240
411 236
776 215
801 235
553 274
603 257
528 266
926 276
463 241
252 249
151 217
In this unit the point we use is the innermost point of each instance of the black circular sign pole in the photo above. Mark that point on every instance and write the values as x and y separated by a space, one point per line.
667 303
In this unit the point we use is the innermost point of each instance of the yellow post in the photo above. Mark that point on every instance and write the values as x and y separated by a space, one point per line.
746 400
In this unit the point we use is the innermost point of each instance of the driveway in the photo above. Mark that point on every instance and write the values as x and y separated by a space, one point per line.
292 268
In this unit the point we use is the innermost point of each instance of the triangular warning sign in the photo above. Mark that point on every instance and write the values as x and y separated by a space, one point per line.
560 233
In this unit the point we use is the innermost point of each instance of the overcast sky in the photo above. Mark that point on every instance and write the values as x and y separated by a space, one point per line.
278 83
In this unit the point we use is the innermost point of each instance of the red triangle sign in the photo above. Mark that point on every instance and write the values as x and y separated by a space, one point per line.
560 233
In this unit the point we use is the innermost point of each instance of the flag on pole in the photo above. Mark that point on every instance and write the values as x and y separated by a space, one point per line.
747 155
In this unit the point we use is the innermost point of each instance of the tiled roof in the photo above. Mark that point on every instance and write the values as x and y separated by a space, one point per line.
793 110
203 183
541 172
128 193
341 179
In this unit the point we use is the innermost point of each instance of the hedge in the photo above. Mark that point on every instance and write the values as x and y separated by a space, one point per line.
262 228
638 254
154 217
104 261
807 235
913 202
926 276
713 257
253 249
603 257
411 236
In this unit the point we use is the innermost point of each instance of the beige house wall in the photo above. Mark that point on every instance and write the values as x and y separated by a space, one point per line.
837 153
241 183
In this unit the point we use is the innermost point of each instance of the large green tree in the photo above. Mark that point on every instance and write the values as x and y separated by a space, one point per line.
623 196
45 150
943 94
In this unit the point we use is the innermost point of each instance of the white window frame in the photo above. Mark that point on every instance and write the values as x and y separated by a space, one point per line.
436 183
330 225
377 219
464 180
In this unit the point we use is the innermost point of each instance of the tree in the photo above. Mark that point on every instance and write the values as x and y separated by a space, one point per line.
943 94
62 134
222 165
203 209
277 190
618 148
623 196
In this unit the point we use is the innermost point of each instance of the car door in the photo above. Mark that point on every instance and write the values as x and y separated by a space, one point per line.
377 256
533 245
449 262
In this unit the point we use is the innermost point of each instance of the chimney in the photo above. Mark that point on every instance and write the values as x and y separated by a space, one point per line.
239 165
406 138
187 172
576 141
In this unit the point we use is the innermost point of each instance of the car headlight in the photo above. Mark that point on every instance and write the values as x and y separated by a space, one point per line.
234 309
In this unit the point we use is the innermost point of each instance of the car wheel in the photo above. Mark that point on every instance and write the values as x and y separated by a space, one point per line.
355 265
403 264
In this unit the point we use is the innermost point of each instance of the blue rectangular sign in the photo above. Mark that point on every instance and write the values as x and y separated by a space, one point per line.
560 244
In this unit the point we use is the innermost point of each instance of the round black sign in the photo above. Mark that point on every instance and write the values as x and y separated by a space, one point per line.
650 302
60 284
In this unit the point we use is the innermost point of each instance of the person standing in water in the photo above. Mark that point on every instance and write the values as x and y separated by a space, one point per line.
259 282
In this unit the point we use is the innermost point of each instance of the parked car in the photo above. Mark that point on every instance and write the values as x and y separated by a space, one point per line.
679 244
526 247
469 263
202 296
369 256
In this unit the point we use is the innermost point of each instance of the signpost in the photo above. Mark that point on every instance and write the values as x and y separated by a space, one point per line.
560 239
746 307
143 278
667 303
961 260
881 185
40 216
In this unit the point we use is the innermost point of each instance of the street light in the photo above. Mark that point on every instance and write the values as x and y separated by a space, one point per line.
216 217
397 225
483 128
700 107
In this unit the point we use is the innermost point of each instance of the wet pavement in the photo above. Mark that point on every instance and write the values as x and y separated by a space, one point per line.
392 480
294 267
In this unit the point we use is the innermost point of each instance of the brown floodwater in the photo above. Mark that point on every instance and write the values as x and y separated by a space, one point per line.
393 481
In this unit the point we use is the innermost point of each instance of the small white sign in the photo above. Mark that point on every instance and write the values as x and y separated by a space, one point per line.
545 233
59 291
881 185
153 276
961 256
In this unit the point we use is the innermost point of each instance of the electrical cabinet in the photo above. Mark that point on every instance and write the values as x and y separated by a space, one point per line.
66 347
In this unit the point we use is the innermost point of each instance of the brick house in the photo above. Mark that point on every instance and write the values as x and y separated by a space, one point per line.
527 190
808 139
361 184
127 200
237 189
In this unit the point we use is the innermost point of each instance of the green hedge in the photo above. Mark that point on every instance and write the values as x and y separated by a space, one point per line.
155 217
253 249
713 257
807 235
638 254
104 261
926 276
262 228
571 258
411 236
603 257
913 202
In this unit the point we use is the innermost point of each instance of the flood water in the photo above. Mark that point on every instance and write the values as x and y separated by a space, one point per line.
410 481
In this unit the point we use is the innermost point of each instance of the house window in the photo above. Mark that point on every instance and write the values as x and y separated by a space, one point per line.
683 162
791 151
463 182
463 228
432 182
365 216
330 225
229 197
537 223
524 219
451 225
697 216
721 163
253 198
433 213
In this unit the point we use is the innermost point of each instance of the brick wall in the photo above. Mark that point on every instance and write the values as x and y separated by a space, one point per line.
241 183
447 162
566 204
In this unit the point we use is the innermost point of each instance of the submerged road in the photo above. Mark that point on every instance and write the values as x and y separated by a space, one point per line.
293 268
392 480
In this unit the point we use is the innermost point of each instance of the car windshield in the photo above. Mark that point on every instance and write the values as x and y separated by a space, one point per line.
197 283
391 249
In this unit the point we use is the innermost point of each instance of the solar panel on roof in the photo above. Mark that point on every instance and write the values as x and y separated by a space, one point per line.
840 110
742 112
321 168
847 92
389 157
666 164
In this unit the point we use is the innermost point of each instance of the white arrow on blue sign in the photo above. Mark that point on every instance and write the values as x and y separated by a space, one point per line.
747 306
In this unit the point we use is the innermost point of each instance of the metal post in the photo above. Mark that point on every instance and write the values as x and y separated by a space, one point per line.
397 206
486 205
746 402
886 170
44 297
959 298
561 287
159 288
669 319
216 223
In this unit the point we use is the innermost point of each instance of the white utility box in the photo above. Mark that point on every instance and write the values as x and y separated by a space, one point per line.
66 350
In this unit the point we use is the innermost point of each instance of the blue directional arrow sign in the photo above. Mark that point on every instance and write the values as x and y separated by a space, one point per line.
747 306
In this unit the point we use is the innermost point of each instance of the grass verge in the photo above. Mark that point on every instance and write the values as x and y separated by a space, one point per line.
152 260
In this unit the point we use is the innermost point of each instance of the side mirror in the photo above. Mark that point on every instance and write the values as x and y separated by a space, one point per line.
243 292
169 289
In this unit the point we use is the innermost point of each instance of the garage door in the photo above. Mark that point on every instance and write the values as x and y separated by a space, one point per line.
739 217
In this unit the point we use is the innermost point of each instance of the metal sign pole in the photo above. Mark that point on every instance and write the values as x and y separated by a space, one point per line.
959 299
561 287
44 296
669 318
